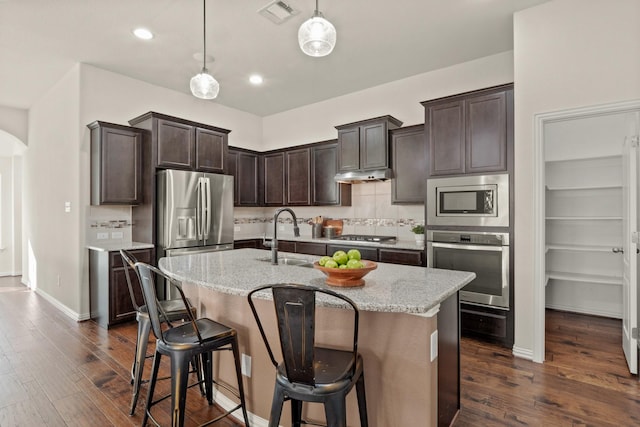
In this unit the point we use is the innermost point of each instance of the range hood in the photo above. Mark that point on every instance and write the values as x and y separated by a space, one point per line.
354 177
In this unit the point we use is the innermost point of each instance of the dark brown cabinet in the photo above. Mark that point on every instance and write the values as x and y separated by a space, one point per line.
366 252
297 177
325 191
273 179
244 166
409 164
365 145
211 150
116 164
402 256
109 293
469 133
183 144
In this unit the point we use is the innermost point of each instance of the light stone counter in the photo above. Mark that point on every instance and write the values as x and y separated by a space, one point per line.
390 288
116 246
401 308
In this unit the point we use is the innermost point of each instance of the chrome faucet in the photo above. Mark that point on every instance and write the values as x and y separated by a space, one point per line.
274 241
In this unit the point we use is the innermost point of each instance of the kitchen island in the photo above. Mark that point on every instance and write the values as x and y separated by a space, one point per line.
400 308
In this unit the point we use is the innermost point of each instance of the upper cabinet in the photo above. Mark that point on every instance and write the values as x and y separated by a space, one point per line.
325 191
273 178
409 164
365 145
182 144
244 166
298 177
116 164
469 133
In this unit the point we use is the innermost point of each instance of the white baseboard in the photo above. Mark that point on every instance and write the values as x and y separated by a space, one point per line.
523 353
63 308
10 273
227 404
585 310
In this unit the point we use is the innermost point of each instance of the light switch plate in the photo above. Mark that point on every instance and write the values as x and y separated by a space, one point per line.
103 236
245 365
117 235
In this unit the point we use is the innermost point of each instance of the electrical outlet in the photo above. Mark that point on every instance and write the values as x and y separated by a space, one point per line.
236 228
245 364
434 345
67 207
103 236
117 235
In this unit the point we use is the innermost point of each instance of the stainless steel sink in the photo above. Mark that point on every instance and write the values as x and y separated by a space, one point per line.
290 261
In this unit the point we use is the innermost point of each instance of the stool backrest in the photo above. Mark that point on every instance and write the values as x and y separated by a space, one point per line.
147 275
129 262
295 309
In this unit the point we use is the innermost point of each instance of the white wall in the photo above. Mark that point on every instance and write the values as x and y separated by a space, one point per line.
51 177
401 99
15 122
567 53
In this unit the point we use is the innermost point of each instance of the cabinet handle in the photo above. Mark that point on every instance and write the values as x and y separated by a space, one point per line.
617 250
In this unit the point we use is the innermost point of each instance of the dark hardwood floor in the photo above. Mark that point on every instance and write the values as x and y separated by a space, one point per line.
583 382
57 372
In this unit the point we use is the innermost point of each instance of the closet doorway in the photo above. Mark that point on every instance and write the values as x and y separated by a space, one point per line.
586 177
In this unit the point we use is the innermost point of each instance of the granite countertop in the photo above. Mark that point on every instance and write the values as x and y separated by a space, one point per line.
389 288
398 244
116 246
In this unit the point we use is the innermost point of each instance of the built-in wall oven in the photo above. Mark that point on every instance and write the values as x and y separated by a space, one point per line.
484 253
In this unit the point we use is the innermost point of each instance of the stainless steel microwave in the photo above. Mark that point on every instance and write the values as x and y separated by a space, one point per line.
475 200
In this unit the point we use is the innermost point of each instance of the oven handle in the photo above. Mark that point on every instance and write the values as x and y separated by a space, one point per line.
467 247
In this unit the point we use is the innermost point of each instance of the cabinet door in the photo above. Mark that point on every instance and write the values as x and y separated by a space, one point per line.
444 127
298 177
374 150
116 167
247 179
211 150
325 191
274 179
175 145
486 133
401 256
232 169
349 149
121 307
409 163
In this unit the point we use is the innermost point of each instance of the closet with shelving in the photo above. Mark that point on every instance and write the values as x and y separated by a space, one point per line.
583 204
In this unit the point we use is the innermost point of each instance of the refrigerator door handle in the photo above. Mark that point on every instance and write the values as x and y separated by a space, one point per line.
200 210
207 208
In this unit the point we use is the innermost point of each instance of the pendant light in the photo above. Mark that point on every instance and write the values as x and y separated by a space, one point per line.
317 36
203 85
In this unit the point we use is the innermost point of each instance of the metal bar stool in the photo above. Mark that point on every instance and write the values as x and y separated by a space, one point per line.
309 373
174 310
198 338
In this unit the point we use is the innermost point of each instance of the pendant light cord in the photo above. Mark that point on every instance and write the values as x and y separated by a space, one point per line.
204 34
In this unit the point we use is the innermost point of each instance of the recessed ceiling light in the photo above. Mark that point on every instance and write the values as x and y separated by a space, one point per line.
256 79
143 33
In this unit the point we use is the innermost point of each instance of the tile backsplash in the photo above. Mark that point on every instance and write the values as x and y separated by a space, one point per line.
371 212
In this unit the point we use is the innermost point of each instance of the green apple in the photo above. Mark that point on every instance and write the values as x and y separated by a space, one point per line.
354 254
343 266
331 264
323 260
354 263
340 257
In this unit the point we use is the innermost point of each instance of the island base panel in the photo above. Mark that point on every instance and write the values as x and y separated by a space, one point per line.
401 381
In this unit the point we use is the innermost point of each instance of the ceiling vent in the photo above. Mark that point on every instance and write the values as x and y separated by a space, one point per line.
278 11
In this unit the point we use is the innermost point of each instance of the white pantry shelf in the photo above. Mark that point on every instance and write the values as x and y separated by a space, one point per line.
586 278
579 248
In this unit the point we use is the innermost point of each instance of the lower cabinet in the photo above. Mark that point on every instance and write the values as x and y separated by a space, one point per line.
487 323
402 256
109 294
366 252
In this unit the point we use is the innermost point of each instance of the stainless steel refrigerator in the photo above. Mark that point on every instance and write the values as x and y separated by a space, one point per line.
195 212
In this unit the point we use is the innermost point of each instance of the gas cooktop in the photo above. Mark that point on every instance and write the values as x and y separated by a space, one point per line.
366 238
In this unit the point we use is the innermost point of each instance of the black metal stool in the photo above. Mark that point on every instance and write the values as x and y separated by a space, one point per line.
198 338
